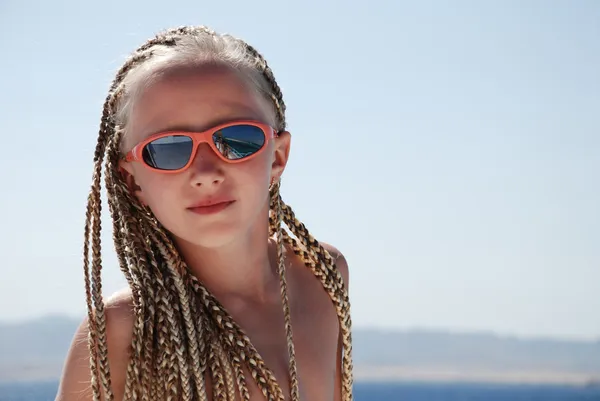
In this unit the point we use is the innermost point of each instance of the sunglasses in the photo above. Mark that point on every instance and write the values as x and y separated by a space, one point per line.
174 151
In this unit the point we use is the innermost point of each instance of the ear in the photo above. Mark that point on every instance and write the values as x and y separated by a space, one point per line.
282 151
127 172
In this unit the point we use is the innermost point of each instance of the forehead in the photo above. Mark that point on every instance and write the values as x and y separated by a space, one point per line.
194 100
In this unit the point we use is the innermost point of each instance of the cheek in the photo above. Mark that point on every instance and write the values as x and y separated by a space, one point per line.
251 181
158 189
163 195
255 173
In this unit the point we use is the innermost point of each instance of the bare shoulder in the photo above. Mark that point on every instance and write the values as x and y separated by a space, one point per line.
340 261
119 312
76 378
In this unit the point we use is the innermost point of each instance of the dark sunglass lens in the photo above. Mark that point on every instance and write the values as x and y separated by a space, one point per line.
168 153
239 141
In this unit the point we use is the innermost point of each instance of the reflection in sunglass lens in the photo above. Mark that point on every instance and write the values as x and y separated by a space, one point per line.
168 153
239 141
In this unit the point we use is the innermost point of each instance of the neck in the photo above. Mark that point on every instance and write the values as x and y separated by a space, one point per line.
245 268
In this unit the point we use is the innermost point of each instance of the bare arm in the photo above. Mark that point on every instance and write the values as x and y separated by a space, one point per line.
75 383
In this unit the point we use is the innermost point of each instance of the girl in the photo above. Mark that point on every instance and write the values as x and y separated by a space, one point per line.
194 144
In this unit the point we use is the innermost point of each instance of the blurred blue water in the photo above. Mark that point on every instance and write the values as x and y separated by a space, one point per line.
382 392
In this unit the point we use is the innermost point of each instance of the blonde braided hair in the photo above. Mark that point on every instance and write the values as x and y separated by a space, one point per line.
176 340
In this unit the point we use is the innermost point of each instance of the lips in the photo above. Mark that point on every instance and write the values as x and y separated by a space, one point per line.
211 206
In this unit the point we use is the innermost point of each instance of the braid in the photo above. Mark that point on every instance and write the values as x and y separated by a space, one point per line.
295 393
228 367
92 336
216 370
341 302
181 333
322 265
97 324
276 94
240 377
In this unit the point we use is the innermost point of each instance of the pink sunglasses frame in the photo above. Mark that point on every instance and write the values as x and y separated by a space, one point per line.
198 138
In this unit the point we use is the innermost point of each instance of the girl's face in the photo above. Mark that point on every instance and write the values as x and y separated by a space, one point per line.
197 101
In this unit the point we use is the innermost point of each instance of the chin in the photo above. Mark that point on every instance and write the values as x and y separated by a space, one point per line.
215 236
215 231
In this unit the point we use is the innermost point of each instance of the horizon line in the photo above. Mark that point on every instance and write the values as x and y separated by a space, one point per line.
363 327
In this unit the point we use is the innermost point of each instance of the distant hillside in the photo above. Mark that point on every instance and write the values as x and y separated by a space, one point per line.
36 350
43 340
474 351
442 356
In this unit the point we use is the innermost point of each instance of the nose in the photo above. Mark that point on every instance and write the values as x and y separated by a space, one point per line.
206 168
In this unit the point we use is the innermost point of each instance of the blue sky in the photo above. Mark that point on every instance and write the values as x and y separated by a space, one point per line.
451 152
